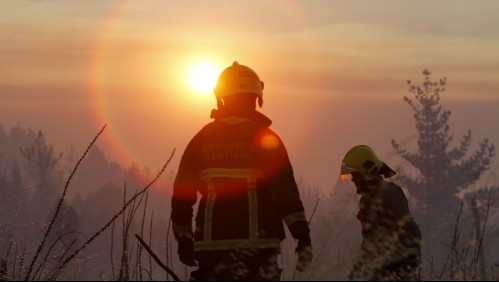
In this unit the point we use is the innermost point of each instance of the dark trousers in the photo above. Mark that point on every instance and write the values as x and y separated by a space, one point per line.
238 265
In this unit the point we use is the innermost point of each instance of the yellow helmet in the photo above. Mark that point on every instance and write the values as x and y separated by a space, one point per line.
362 158
238 79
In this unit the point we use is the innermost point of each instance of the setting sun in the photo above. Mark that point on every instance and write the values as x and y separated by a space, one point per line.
202 77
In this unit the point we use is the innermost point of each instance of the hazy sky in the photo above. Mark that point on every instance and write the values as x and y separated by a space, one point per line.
335 72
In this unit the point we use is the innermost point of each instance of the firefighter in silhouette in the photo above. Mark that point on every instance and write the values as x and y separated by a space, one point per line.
241 170
391 238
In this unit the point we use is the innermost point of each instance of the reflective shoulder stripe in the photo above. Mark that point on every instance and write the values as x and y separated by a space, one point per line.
236 244
247 173
292 218
234 120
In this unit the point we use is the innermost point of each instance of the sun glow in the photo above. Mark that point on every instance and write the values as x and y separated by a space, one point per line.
202 77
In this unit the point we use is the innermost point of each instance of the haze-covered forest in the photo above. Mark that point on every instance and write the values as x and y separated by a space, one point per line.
74 215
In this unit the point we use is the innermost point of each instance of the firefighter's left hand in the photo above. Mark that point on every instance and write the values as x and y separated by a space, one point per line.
305 255
185 252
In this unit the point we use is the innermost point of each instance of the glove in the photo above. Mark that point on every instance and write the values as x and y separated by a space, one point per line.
185 251
305 255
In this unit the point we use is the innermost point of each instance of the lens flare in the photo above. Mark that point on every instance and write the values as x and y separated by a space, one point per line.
269 142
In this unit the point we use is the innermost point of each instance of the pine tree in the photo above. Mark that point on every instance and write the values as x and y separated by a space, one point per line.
443 171
41 164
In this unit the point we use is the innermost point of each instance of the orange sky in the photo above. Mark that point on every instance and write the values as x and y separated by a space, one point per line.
335 71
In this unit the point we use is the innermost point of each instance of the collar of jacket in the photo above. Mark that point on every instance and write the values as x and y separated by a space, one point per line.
252 115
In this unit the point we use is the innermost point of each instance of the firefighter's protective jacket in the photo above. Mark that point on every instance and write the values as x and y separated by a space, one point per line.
391 236
242 172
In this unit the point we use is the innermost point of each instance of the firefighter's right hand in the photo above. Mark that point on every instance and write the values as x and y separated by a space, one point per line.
185 251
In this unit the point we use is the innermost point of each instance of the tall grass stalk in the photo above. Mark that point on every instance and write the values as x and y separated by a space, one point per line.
59 204
467 262
155 257
57 270
113 274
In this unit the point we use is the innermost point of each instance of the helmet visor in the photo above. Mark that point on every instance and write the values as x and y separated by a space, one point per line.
345 169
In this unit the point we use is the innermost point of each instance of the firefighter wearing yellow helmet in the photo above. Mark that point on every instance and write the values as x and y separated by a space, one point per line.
362 159
391 238
239 79
248 193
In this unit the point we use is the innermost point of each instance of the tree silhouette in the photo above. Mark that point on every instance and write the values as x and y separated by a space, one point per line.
442 171
41 164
